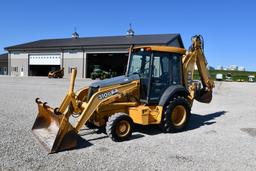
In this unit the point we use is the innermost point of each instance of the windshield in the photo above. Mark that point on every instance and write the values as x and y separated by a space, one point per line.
140 63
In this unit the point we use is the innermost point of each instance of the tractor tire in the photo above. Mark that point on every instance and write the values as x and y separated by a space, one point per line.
119 127
176 115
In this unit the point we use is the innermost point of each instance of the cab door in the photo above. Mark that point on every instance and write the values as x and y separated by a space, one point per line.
140 63
166 71
145 79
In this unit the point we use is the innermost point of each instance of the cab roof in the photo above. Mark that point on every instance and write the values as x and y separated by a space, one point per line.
162 49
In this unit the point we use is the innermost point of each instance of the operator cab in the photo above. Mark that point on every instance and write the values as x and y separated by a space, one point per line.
158 67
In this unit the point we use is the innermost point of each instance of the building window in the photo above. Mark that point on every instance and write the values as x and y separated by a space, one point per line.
70 69
15 69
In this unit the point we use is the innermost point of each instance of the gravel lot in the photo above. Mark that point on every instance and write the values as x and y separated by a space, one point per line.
221 135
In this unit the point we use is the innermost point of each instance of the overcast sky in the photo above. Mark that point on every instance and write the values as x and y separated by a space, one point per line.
228 27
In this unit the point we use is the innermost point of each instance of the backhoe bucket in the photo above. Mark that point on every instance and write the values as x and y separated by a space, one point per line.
53 130
204 96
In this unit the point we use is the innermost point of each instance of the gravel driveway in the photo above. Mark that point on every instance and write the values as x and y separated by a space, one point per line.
220 136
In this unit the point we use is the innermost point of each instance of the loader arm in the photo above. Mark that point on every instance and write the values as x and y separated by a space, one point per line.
195 56
104 97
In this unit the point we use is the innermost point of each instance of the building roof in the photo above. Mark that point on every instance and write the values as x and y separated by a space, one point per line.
4 58
154 39
5 55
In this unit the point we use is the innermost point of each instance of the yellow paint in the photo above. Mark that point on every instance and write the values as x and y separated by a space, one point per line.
123 128
146 115
162 49
179 115
95 102
195 56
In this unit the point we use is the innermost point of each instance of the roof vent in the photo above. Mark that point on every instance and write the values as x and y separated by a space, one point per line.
130 32
75 35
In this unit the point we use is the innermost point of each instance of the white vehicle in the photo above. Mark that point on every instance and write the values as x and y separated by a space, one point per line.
251 78
219 77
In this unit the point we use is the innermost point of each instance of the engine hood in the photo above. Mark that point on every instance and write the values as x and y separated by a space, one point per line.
115 80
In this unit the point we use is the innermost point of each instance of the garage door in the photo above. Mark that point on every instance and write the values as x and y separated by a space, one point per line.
41 64
109 62
53 59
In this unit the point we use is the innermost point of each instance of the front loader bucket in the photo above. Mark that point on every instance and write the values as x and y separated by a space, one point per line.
53 131
204 96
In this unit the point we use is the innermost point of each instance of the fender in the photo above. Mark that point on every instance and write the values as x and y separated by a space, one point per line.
170 92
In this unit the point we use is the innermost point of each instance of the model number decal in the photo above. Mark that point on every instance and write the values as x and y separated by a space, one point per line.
107 94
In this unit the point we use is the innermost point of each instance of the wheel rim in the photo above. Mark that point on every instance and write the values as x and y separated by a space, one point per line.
179 114
123 128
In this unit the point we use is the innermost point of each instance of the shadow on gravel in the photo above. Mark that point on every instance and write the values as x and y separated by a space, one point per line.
82 143
98 138
103 132
197 121
135 136
148 129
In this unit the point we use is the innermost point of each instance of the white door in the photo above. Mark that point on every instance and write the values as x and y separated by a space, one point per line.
22 71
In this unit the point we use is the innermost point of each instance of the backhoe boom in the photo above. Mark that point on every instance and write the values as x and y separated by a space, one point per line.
195 57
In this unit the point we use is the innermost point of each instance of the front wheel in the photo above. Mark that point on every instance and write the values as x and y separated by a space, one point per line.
119 127
176 115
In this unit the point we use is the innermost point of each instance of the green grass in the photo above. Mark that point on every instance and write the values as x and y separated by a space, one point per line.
236 75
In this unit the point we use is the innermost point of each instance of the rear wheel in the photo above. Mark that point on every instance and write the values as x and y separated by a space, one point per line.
176 115
119 127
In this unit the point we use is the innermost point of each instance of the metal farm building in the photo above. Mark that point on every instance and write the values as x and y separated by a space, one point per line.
110 52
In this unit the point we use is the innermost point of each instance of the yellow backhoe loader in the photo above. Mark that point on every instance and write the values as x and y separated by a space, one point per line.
158 88
56 74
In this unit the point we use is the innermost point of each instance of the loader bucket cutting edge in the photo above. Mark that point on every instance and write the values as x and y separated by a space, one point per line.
53 131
